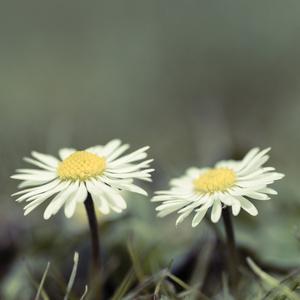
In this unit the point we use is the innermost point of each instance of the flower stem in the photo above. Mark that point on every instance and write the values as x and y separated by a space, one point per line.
95 255
233 261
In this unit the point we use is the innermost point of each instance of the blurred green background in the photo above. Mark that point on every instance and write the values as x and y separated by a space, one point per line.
198 81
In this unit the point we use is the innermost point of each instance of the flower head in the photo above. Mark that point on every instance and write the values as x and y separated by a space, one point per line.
230 183
98 170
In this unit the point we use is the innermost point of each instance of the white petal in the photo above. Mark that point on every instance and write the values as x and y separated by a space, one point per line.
248 157
240 191
209 203
46 159
255 162
36 190
81 193
171 206
226 199
39 164
254 166
95 150
114 199
32 205
139 175
111 147
230 164
164 213
130 168
178 193
195 204
268 191
79 196
182 217
27 183
236 207
195 172
59 200
271 177
131 188
97 196
123 185
252 184
257 196
198 217
134 156
117 153
216 211
70 207
182 182
248 206
47 176
58 187
35 172
254 175
101 203
162 198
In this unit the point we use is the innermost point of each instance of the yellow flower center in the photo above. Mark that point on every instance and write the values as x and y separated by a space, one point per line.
81 166
215 180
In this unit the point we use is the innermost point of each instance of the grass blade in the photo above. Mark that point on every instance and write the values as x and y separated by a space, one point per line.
42 283
34 281
72 277
85 293
274 283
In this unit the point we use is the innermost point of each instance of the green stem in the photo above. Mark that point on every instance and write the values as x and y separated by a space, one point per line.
233 261
95 255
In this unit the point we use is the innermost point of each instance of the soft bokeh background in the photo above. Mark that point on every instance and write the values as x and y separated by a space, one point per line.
198 81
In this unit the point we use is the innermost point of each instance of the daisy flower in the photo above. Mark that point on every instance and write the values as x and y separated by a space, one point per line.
229 183
98 170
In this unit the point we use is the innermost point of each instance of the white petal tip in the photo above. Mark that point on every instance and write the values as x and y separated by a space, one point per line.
235 212
47 216
215 220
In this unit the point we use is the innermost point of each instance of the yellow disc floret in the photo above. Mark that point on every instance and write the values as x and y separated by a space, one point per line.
81 166
215 180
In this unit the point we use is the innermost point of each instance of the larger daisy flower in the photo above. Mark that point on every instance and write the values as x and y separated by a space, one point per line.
230 183
98 170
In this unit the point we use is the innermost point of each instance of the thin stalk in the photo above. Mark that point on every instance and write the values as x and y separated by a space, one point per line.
95 241
233 261
72 277
42 283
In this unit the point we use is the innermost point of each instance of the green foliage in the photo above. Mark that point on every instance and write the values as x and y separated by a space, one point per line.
136 273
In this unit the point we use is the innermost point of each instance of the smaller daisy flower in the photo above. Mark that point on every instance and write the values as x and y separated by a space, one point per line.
98 170
230 183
